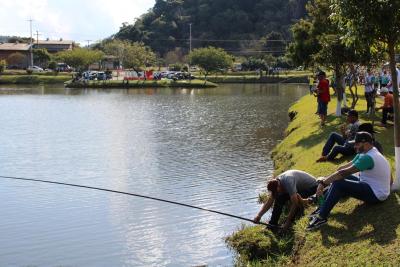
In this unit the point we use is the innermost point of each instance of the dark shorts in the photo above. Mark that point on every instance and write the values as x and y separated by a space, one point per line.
322 108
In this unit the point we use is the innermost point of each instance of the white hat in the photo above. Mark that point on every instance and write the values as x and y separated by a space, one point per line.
384 90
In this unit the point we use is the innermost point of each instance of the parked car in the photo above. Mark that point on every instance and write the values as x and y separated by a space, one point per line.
101 76
34 69
63 67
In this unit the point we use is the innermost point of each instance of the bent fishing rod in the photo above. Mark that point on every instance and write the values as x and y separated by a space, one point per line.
130 194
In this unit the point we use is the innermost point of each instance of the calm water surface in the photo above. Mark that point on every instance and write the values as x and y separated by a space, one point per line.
209 148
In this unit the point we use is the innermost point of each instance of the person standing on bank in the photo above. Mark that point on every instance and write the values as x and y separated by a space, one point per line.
323 96
294 186
372 185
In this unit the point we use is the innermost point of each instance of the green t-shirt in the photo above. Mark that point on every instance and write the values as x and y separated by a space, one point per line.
363 162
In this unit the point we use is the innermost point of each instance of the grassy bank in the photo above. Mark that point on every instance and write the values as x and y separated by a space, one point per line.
33 79
257 79
141 84
356 234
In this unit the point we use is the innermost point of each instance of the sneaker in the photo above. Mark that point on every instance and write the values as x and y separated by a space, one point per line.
313 214
316 222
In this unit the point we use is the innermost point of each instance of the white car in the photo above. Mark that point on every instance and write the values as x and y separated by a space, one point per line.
34 69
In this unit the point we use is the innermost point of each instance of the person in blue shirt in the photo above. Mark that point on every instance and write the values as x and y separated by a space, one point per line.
371 186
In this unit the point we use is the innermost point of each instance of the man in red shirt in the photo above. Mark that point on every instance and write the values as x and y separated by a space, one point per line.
387 105
323 96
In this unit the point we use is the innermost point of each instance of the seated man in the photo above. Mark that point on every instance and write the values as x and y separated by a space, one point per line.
291 185
387 106
344 147
372 185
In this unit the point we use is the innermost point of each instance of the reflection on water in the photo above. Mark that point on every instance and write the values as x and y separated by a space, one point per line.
204 147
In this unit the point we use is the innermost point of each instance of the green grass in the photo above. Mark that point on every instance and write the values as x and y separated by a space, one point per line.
142 84
356 234
33 79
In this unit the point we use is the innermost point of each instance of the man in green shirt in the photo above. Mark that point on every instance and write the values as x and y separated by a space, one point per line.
372 185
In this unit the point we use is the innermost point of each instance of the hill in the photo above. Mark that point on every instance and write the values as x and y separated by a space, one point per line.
165 27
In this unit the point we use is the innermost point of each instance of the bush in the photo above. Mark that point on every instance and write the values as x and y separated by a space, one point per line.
175 67
3 65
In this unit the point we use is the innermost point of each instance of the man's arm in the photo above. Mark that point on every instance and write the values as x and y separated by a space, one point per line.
341 173
265 207
344 166
294 205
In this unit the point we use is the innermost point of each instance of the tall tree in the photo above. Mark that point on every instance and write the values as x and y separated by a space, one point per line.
318 42
210 59
80 58
376 21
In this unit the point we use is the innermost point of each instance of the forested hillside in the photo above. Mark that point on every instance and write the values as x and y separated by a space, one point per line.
216 22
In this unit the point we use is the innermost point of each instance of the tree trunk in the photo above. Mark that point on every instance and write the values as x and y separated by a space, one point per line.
353 82
391 45
339 90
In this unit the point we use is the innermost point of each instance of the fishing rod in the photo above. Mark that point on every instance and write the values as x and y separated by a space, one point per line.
130 194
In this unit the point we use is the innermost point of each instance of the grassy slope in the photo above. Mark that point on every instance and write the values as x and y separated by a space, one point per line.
356 234
33 79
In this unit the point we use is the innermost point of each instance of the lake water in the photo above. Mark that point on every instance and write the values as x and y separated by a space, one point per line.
208 147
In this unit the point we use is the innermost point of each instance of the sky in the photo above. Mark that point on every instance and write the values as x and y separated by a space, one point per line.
69 19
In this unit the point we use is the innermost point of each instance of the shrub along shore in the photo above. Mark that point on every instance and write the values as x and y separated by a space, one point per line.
141 84
356 233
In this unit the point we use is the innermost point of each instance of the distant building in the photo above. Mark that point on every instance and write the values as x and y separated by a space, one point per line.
7 49
54 46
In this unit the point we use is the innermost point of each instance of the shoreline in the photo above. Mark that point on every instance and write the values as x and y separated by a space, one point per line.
24 79
356 234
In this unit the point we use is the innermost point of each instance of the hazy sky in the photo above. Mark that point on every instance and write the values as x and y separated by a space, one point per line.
78 20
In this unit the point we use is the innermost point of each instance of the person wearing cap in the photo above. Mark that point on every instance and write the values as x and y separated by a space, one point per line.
292 185
344 146
387 106
323 96
371 186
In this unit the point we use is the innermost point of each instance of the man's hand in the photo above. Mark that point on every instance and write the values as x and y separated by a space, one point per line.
320 188
257 219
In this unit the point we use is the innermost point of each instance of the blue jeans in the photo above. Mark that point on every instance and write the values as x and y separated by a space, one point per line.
350 186
331 151
281 200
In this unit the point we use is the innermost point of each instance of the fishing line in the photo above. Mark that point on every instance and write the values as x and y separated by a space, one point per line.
130 194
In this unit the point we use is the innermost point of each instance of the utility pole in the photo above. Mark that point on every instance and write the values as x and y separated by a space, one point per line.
31 43
37 39
88 43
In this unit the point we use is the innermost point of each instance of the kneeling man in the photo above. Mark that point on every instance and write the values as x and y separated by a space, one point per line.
291 185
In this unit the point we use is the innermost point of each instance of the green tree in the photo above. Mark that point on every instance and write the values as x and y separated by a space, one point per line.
3 65
210 59
377 22
317 41
41 57
131 54
80 58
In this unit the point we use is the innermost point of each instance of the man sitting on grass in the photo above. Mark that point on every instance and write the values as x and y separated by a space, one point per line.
291 185
372 185
344 146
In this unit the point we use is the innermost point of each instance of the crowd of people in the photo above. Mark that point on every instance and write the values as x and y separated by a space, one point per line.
366 177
